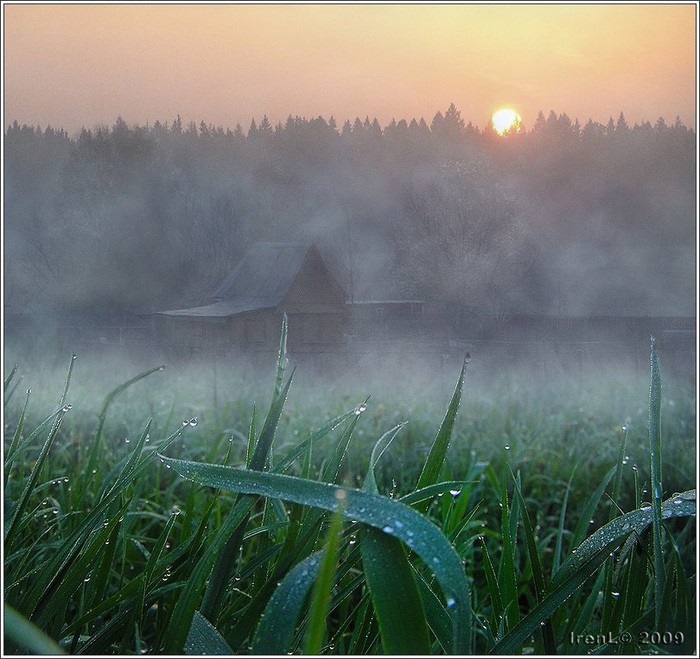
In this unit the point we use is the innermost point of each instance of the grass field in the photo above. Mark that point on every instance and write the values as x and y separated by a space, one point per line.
276 516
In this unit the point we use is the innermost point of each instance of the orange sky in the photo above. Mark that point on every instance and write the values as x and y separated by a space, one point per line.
74 66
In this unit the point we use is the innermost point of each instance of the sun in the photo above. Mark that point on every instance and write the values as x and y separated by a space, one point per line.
505 120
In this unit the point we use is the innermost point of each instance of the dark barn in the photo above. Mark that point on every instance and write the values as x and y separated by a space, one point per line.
243 314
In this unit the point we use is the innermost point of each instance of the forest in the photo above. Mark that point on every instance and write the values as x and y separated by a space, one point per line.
558 218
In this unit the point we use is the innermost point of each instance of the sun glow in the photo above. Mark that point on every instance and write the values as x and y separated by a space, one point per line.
505 120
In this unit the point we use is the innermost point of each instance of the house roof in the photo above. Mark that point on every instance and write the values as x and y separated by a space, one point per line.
260 281
264 275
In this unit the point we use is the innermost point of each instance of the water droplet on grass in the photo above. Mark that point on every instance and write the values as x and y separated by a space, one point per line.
388 529
194 421
451 602
127 440
615 594
66 408
455 493
507 447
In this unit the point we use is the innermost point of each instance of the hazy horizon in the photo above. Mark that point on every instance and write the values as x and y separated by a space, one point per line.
82 66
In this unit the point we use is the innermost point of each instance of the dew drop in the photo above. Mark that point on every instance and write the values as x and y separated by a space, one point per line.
194 421
388 529
127 440
451 602
455 493
66 408
360 409
436 560
507 447
615 594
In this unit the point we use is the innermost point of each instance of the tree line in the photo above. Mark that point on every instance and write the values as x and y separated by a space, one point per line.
557 218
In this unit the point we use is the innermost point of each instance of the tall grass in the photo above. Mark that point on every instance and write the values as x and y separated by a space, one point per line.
277 537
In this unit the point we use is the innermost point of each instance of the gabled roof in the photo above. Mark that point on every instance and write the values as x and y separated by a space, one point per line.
264 275
260 281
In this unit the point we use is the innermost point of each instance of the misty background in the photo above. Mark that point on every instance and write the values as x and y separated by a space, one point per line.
559 219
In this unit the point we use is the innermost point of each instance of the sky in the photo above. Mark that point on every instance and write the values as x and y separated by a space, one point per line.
75 66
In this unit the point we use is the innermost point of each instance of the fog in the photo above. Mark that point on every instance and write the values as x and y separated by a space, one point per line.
558 220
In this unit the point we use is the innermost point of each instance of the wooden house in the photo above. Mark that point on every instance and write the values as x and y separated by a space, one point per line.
244 312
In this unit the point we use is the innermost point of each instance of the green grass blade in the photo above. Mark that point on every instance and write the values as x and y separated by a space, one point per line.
204 638
618 472
656 485
508 569
75 573
391 516
537 573
276 628
395 597
31 483
9 377
321 595
110 398
181 618
380 446
27 441
435 613
493 587
267 434
16 436
585 560
559 545
433 464
281 357
590 506
23 633
250 447
300 449
226 560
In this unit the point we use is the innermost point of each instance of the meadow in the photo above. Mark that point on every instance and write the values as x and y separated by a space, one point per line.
190 510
